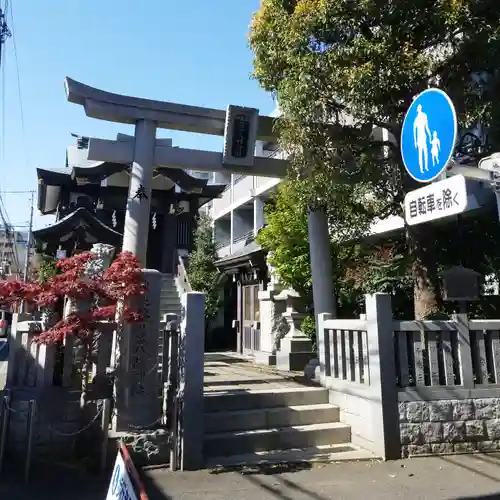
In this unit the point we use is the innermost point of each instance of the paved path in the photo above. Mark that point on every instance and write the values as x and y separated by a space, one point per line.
463 477
229 372
457 477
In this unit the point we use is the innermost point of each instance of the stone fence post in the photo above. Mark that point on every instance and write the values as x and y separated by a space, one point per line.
382 373
17 338
191 362
323 346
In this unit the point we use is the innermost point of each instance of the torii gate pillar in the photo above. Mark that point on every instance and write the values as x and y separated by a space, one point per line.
147 115
136 228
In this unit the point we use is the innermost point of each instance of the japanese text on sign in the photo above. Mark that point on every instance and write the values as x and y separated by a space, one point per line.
442 201
437 200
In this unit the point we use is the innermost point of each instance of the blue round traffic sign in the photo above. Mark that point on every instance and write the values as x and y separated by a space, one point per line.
429 135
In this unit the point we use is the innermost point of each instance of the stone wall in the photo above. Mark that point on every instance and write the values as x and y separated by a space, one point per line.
55 429
449 426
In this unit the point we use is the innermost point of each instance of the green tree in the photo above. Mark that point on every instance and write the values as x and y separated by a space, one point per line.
286 236
357 66
285 239
202 272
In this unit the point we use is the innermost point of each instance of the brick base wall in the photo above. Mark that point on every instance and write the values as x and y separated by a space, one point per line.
449 426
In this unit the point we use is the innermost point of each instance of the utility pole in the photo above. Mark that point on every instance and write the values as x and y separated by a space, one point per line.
28 243
4 32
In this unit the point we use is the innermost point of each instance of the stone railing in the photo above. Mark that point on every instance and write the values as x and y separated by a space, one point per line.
437 381
182 279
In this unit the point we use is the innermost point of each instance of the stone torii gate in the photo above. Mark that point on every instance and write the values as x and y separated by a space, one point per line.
240 126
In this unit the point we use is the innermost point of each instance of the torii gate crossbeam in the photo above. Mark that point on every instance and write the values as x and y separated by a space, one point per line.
146 153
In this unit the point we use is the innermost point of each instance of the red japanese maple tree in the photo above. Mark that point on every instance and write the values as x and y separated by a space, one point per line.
101 294
119 283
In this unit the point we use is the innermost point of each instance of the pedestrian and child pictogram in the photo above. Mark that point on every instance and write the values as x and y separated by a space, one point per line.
429 134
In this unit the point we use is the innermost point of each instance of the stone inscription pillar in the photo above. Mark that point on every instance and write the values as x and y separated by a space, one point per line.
135 234
138 387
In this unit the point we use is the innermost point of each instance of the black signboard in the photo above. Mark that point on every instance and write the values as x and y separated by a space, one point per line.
461 284
240 136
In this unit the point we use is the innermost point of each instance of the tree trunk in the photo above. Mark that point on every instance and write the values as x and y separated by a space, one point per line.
426 289
86 367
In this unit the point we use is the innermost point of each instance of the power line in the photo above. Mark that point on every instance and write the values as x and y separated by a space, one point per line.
23 127
17 192
4 34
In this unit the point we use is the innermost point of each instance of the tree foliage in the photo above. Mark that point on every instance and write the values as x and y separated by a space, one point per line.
122 281
47 268
203 274
359 267
285 239
357 67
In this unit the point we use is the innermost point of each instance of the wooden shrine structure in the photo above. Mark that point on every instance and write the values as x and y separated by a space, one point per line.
89 200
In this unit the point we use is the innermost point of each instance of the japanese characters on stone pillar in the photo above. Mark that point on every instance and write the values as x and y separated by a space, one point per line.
138 387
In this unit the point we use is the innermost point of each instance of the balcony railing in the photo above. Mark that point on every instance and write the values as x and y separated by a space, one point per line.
249 235
222 243
261 182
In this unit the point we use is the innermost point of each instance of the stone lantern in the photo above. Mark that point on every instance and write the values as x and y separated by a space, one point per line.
295 349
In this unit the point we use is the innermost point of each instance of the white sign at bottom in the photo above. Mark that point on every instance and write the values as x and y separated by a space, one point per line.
120 487
437 200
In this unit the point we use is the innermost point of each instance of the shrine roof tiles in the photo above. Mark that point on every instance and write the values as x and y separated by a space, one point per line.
79 220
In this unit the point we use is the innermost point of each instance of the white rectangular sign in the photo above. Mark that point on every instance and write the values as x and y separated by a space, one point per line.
437 200
120 487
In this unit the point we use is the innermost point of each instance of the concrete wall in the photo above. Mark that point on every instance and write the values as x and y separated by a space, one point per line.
449 426
360 411
242 223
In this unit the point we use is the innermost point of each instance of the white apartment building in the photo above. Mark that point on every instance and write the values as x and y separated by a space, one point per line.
13 249
237 217
239 213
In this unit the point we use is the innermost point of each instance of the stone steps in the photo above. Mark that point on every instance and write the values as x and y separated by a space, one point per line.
325 453
270 417
170 302
252 426
264 398
278 438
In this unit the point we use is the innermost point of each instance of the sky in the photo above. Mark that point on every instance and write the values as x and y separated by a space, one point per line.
183 51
